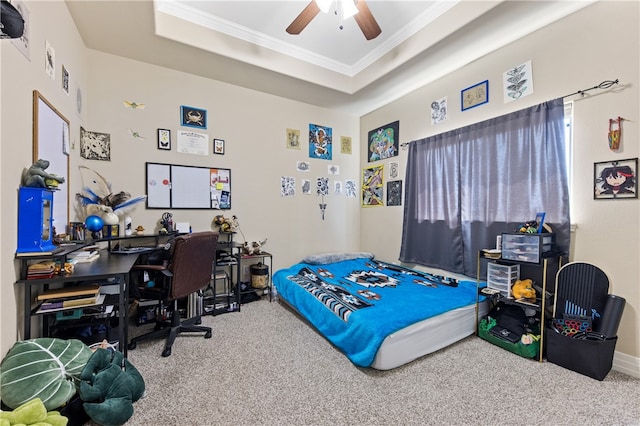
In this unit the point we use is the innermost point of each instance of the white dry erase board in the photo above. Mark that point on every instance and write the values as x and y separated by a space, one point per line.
51 143
172 186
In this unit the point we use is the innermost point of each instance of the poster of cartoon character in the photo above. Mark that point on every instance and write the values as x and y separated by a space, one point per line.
384 141
616 179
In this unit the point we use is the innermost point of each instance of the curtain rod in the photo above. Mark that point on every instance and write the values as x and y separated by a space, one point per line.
604 85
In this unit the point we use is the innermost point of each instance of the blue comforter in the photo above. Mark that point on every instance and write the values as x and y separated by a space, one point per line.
357 303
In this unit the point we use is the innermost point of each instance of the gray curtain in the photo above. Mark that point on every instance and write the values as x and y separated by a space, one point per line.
466 186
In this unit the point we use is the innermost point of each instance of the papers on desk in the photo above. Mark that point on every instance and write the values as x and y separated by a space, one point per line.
132 250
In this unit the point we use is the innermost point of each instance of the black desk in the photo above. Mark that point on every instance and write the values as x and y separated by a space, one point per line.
135 240
107 266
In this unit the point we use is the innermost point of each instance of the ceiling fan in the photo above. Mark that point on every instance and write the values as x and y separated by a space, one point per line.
358 9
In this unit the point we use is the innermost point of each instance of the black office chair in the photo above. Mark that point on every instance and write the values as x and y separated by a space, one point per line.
188 271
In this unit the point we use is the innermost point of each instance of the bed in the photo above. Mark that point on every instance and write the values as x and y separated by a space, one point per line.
379 315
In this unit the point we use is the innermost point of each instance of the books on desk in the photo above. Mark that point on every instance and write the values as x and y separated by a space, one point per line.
69 297
44 269
70 292
58 305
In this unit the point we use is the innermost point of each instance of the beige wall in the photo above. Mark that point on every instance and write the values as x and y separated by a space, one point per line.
20 76
253 124
572 54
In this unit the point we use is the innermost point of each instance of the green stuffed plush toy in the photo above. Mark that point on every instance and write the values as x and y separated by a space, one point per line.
109 386
32 412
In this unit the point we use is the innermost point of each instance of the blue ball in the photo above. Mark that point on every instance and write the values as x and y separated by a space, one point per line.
94 223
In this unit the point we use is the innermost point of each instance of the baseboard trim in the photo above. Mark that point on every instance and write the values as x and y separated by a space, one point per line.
626 364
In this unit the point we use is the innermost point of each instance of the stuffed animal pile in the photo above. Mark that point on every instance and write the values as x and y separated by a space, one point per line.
109 386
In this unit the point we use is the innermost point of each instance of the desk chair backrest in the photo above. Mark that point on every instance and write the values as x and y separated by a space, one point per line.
192 262
581 289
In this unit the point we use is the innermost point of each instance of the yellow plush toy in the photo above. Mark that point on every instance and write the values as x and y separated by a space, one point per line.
523 289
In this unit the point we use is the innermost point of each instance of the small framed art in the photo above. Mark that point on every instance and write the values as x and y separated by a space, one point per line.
475 95
193 117
218 146
345 144
164 139
615 179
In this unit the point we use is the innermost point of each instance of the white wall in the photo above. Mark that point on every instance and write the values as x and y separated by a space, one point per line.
575 53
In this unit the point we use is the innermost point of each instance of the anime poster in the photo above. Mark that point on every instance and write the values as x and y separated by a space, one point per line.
384 142
372 186
320 145
616 179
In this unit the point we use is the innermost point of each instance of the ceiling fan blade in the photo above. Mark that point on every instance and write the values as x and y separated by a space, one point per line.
366 21
303 19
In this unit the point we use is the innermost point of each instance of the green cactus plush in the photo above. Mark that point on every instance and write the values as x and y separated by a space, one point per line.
109 386
32 413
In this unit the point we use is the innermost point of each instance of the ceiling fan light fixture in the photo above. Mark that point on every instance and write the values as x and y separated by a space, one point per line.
324 5
348 9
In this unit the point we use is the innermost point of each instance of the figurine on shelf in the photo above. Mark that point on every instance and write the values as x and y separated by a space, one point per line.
98 199
225 224
37 177
254 247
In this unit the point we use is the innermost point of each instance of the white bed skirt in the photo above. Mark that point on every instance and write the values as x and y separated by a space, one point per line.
427 336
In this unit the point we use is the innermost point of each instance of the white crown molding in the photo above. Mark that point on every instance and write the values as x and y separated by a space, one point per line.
190 14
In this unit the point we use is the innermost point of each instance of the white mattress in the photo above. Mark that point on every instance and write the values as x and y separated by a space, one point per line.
427 336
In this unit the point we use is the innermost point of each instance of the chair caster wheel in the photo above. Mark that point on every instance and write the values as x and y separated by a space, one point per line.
132 345
207 335
166 352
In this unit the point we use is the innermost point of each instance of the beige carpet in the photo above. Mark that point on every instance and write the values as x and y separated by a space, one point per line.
265 366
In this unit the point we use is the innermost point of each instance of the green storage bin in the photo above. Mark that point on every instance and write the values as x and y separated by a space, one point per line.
527 351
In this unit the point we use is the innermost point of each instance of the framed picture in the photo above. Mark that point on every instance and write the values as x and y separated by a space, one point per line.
475 95
218 146
372 186
394 193
345 144
384 141
193 117
540 221
164 139
293 138
615 179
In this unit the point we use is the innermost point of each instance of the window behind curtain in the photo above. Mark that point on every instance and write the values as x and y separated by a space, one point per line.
468 185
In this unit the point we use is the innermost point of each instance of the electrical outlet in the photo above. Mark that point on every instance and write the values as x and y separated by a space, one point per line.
245 270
